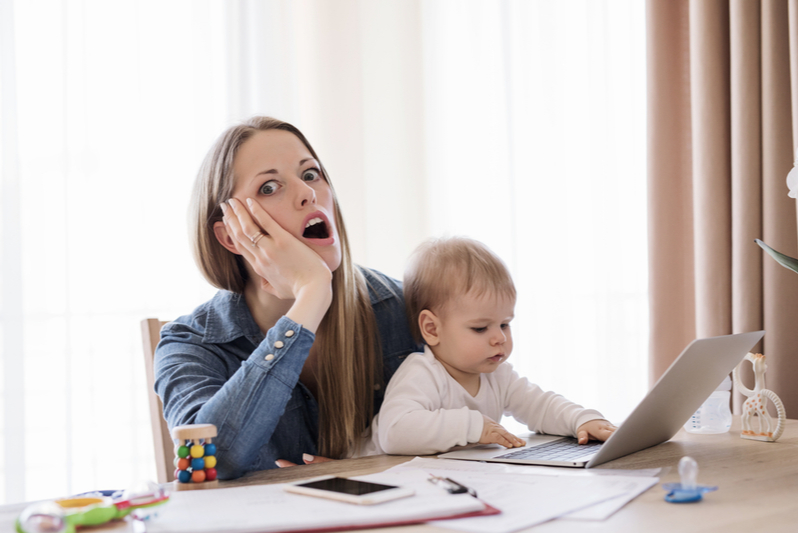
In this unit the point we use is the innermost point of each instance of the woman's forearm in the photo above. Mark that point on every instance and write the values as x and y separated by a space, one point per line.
311 304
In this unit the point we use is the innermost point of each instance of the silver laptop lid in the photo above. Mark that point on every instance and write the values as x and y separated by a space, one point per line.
691 378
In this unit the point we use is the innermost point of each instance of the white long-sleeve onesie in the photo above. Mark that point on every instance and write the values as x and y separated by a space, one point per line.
426 411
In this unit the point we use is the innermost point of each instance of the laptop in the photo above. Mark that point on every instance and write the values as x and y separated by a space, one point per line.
683 388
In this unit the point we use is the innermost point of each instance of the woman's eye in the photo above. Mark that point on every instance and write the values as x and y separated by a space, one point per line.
311 174
268 188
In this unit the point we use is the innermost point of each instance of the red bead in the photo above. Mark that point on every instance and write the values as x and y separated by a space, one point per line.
211 474
198 476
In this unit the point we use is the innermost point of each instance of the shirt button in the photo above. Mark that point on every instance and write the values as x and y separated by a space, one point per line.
270 357
278 344
377 386
290 333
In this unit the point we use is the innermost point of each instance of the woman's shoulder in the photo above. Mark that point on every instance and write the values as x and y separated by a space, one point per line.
386 297
381 287
218 320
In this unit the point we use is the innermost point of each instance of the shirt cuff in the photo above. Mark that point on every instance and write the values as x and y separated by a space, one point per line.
475 426
285 337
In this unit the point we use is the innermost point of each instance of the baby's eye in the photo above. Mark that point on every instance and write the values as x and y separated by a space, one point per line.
479 330
311 174
269 188
504 326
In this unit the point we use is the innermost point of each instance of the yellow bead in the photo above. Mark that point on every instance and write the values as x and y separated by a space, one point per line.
211 461
198 451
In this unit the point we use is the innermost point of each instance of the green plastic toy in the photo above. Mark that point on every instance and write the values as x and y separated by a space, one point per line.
69 514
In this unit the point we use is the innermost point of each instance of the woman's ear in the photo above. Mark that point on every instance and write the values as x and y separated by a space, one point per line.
429 325
221 233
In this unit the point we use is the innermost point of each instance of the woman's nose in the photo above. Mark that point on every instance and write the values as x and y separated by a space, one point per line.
304 194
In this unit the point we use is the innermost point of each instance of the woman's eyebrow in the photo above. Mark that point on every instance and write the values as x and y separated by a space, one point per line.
275 171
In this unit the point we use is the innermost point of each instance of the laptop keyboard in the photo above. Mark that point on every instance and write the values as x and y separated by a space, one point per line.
565 449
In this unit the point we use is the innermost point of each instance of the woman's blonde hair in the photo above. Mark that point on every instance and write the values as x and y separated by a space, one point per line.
346 344
441 269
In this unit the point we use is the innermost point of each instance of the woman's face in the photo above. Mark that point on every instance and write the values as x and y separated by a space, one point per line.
275 169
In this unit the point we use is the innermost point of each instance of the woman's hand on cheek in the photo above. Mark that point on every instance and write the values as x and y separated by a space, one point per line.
286 264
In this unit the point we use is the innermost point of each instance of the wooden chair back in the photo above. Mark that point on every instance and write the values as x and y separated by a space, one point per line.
162 441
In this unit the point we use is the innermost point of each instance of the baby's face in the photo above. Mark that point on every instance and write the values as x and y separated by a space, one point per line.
475 334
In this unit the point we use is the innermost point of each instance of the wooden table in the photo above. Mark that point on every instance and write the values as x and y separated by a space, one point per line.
757 487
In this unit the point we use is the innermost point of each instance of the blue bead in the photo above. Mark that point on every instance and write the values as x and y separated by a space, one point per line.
184 476
211 449
198 464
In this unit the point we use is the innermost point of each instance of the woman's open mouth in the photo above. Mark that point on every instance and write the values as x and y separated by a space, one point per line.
316 228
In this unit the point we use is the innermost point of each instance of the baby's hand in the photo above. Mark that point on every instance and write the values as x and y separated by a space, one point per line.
494 433
595 430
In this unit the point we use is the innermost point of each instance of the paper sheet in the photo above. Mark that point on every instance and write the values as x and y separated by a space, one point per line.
506 468
633 487
270 508
528 500
531 495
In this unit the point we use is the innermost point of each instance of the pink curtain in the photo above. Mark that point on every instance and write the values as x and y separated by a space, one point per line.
722 101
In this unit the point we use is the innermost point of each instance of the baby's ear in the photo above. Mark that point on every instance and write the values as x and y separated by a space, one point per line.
429 327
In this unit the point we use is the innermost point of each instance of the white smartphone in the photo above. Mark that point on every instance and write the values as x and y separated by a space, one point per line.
349 490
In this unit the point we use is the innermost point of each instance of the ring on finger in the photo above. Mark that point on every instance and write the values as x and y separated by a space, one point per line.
255 239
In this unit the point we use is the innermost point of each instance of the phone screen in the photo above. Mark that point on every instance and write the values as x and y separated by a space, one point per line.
347 486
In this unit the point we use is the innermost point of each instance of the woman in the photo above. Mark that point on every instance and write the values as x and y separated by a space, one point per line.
293 354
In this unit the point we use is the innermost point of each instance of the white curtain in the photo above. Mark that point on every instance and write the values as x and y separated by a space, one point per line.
535 145
518 123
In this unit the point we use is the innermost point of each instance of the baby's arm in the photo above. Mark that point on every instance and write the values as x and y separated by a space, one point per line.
545 412
414 421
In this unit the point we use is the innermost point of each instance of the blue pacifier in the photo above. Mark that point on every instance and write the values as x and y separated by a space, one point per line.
687 490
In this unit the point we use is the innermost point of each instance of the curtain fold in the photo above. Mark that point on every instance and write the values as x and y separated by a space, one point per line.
721 105
669 170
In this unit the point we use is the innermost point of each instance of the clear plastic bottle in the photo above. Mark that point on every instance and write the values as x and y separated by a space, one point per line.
714 416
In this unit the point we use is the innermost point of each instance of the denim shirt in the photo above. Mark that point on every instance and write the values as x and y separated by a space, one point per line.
216 367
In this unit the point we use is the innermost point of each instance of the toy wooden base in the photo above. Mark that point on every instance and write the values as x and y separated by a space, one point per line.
196 486
754 436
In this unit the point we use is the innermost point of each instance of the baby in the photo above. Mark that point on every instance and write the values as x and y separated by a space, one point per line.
460 300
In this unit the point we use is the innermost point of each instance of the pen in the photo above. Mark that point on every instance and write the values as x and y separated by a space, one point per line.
452 486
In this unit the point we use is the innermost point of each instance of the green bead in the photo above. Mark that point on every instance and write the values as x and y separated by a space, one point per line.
183 451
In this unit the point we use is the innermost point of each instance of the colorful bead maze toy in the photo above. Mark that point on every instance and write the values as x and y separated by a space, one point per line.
195 457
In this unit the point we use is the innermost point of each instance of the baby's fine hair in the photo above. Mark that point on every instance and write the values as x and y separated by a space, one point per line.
442 269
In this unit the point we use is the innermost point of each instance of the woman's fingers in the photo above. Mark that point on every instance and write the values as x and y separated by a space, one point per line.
264 219
234 228
246 229
313 459
307 459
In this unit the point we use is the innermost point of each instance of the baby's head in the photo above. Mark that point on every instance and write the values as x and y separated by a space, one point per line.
459 298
